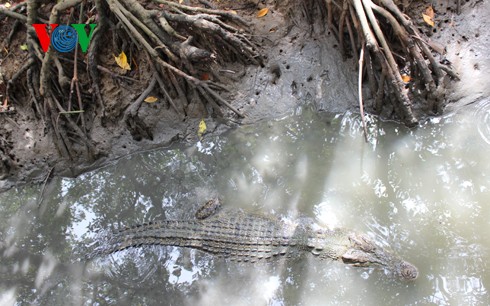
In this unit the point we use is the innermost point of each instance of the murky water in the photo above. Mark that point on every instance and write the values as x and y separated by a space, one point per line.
423 192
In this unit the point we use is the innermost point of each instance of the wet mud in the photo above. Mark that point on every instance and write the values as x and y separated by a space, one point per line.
302 66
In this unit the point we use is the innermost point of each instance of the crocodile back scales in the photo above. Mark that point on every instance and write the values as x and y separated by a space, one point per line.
239 237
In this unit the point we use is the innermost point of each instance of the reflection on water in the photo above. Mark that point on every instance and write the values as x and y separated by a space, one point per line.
421 191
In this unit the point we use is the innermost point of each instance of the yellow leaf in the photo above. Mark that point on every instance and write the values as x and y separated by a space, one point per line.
151 99
122 61
233 12
24 47
429 11
428 20
262 12
7 5
202 129
406 78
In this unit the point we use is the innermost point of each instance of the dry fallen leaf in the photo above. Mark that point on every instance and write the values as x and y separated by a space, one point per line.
430 12
262 12
122 61
429 16
406 78
428 20
151 99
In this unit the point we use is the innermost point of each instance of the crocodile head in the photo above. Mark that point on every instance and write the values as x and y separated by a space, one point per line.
364 252
359 250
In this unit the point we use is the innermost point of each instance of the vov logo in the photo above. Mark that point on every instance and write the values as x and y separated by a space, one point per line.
64 38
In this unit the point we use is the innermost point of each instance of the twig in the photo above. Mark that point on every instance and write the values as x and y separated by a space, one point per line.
361 106
223 101
168 28
20 7
133 109
450 72
177 87
213 104
72 112
161 84
193 9
74 126
115 75
12 14
45 181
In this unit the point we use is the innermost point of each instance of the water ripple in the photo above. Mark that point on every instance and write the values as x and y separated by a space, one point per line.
482 117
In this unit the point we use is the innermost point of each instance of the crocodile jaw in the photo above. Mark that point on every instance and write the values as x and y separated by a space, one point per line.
358 250
364 252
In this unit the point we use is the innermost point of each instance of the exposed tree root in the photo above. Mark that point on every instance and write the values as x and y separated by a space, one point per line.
371 19
12 14
180 41
361 103
168 51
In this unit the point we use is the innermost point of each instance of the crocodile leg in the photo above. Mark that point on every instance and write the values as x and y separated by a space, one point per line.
210 208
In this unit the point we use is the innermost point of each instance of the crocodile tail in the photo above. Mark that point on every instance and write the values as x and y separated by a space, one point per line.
120 243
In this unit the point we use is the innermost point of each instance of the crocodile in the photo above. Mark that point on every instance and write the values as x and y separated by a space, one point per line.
252 237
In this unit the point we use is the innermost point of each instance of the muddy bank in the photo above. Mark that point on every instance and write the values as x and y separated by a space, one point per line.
301 66
297 69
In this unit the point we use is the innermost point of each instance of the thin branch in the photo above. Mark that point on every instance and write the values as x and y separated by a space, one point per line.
133 109
193 9
361 106
12 14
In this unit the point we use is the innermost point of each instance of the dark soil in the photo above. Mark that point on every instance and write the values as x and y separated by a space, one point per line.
302 65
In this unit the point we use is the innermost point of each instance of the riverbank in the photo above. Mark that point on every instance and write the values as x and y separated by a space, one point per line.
302 66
